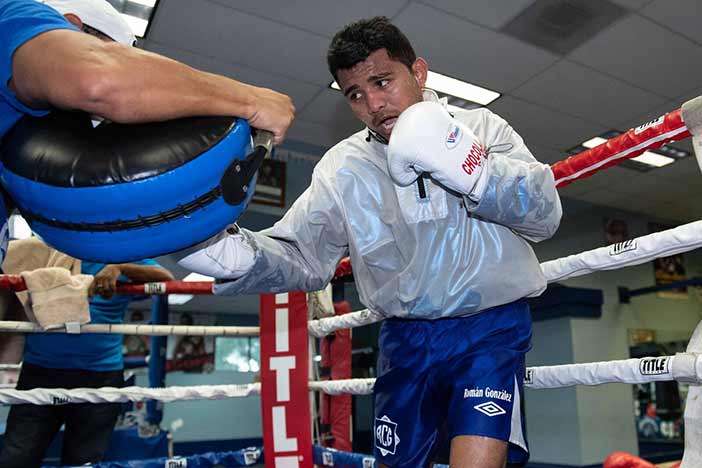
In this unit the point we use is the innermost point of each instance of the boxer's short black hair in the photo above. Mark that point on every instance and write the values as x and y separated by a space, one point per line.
358 40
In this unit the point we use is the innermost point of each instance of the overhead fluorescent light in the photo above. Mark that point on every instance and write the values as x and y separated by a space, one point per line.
179 299
137 13
461 89
18 227
592 142
138 25
653 159
451 86
148 3
649 158
197 277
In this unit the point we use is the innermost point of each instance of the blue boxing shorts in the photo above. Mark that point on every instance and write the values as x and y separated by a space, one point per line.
447 378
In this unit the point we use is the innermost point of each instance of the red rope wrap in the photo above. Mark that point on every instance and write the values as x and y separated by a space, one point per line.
16 283
655 134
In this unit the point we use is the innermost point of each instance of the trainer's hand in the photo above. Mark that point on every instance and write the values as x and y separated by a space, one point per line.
272 111
228 255
105 282
427 139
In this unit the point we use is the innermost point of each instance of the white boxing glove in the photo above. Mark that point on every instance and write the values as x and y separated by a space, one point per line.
426 138
228 255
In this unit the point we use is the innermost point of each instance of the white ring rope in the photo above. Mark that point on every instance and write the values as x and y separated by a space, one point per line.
632 252
683 367
325 326
136 329
629 253
62 396
9 367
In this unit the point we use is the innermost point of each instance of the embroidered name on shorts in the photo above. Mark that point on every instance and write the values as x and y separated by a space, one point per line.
490 408
386 438
487 392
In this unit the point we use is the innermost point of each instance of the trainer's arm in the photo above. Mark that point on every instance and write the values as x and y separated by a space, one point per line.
73 70
105 282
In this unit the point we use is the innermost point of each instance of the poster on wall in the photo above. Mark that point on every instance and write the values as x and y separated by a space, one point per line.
615 230
270 184
190 353
669 269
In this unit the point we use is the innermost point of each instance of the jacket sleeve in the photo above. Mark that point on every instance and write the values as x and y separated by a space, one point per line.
302 250
520 192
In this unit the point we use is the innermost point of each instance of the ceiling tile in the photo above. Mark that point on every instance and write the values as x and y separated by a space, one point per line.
682 16
586 93
646 55
602 197
647 116
685 172
300 92
544 127
469 52
222 33
316 133
580 187
632 4
320 16
490 13
329 108
545 154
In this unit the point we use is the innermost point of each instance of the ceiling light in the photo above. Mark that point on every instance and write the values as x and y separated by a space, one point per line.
461 89
137 13
138 25
653 159
18 227
148 3
179 299
592 142
451 86
197 277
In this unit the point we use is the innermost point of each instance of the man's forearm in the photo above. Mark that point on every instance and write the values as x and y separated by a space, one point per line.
163 89
72 70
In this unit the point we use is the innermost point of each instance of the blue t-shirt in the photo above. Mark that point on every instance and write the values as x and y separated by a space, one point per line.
90 351
20 21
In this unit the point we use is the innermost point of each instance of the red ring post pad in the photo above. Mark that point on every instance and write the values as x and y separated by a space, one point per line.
285 404
654 134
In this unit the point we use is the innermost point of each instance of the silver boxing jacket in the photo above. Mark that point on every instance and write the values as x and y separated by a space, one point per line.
418 251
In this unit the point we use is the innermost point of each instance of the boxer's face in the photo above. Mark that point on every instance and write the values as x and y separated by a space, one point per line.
379 88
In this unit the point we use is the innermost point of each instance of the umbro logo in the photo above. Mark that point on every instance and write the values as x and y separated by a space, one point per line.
490 408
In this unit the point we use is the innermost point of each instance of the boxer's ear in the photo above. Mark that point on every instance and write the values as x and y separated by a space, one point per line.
420 70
